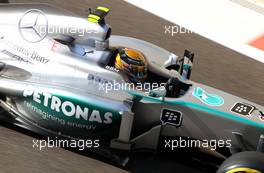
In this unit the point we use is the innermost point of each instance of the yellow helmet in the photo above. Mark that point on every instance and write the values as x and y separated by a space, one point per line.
133 63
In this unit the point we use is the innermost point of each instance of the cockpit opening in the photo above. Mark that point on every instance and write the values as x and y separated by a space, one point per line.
135 66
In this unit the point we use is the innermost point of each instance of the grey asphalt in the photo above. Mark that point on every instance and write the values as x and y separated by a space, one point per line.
215 65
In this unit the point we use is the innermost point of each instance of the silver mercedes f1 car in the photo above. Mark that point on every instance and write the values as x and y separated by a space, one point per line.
65 76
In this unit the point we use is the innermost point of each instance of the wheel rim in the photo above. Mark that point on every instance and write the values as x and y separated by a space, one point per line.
243 170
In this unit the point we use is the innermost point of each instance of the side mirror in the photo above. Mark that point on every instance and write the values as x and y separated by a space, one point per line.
159 92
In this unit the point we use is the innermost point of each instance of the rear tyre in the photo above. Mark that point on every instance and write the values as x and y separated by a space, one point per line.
243 162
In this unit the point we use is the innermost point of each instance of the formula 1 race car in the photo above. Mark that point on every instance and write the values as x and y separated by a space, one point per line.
66 76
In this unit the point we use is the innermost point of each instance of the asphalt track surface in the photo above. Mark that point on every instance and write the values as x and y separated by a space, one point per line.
214 65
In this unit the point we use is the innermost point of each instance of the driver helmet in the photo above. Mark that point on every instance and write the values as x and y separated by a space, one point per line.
133 63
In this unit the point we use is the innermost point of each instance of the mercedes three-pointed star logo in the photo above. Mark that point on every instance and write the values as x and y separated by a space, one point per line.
33 25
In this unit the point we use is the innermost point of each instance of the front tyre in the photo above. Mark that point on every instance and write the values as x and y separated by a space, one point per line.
243 162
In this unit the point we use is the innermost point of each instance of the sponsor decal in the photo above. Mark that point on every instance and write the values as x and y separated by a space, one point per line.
261 116
171 117
97 79
209 99
66 108
33 26
55 46
243 109
111 68
16 57
29 55
247 110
